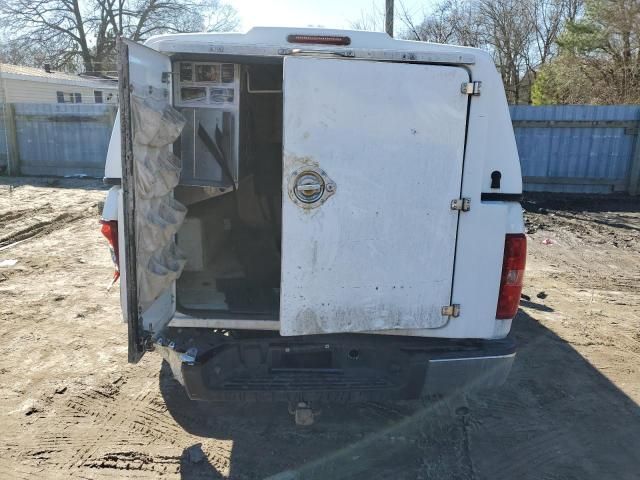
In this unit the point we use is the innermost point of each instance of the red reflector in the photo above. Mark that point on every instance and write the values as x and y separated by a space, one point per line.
515 257
110 231
319 39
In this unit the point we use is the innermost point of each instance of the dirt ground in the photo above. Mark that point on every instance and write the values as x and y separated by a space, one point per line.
73 408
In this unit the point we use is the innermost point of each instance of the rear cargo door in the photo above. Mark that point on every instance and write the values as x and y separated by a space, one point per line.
372 158
144 75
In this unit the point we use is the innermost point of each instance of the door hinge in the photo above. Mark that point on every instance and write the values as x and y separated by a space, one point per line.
471 88
462 204
147 344
451 310
167 77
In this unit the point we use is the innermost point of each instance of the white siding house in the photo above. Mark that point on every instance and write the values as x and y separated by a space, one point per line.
33 85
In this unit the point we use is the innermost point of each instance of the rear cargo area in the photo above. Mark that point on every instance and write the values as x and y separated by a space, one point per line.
327 149
231 184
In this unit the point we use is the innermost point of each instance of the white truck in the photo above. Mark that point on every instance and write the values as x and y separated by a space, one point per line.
312 215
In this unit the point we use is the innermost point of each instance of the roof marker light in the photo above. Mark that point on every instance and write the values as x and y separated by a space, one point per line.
319 39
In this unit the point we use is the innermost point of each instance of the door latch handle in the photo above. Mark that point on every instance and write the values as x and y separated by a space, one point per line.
309 188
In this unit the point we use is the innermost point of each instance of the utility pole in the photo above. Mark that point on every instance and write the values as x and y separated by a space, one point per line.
388 17
120 5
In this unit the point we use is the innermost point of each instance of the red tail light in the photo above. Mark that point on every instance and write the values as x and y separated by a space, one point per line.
319 39
110 231
515 256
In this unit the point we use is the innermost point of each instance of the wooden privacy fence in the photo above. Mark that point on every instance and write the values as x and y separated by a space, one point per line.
55 139
573 148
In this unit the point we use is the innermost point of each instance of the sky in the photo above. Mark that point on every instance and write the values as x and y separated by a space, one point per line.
303 13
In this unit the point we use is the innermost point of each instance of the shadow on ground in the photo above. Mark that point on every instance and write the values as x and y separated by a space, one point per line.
536 306
539 202
557 417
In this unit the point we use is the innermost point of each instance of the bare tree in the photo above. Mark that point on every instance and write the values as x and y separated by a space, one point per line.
504 27
509 30
450 21
77 33
371 19
550 18
520 34
19 53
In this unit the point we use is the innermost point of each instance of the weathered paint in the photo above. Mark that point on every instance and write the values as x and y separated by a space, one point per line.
60 139
141 73
379 253
490 146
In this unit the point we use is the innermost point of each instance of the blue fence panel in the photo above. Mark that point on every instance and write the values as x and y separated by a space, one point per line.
4 150
61 139
599 155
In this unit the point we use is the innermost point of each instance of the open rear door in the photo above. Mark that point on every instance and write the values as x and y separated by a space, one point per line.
149 215
373 156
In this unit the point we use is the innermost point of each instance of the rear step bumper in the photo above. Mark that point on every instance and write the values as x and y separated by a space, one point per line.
332 368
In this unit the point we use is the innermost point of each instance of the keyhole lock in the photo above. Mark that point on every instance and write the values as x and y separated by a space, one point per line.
495 179
309 187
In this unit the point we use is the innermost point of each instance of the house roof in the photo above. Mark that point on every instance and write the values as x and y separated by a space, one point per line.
20 72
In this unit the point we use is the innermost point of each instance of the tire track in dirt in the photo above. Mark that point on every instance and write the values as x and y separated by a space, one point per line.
97 432
110 420
112 431
552 420
17 214
88 410
42 228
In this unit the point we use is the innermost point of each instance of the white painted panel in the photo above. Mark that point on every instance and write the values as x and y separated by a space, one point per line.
481 232
113 163
379 253
146 68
